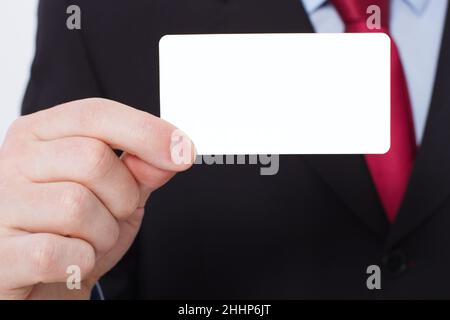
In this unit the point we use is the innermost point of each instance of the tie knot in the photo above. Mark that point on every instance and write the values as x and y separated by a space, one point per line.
363 15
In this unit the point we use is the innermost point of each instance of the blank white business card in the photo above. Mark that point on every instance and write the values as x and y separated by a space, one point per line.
278 93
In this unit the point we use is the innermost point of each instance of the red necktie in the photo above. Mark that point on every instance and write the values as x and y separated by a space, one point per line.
390 172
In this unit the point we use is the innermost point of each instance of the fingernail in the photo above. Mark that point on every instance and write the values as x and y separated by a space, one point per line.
182 149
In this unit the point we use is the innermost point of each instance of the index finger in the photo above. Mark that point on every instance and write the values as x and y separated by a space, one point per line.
122 127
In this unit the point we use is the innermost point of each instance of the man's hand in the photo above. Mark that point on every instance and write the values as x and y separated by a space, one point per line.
67 199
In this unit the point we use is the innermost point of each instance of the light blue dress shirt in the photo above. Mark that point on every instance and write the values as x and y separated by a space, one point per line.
417 27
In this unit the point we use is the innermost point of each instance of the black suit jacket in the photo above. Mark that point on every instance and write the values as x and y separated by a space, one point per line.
225 231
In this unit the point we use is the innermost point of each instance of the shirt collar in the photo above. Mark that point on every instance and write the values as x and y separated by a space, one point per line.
418 6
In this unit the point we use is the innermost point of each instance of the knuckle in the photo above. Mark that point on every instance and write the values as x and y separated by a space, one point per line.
136 201
17 130
92 107
45 256
90 100
73 201
99 159
112 237
95 102
90 103
87 259
18 145
129 207
18 125
143 130
88 111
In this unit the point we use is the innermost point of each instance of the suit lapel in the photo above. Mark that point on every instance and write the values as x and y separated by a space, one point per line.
430 181
348 176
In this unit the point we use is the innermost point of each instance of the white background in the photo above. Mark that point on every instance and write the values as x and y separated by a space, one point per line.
17 37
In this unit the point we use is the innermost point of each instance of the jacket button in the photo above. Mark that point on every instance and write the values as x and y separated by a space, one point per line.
395 262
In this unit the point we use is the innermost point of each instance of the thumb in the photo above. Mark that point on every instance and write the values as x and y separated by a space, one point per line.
149 178
183 154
